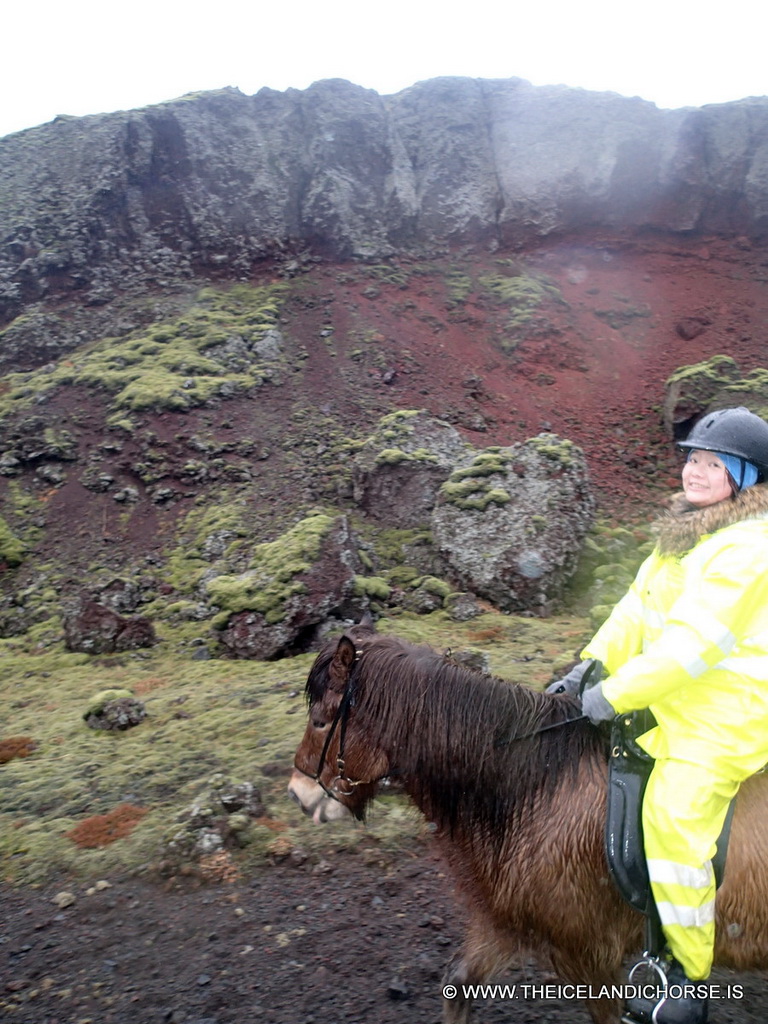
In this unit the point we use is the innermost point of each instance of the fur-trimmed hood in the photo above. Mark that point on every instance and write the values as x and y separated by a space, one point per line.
681 528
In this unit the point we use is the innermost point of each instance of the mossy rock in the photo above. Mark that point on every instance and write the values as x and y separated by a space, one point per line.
171 366
272 577
372 587
691 391
556 449
12 550
98 702
432 585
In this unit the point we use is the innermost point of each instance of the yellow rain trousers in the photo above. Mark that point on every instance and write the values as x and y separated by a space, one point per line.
690 641
680 837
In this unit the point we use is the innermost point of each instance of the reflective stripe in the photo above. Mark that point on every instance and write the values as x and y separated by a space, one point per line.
654 619
756 667
706 624
686 917
684 649
680 874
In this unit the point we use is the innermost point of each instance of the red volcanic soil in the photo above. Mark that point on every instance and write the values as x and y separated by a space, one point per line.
592 364
589 362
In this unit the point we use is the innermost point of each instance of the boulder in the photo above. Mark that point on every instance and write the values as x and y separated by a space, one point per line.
690 390
95 629
399 470
117 715
292 585
511 523
716 383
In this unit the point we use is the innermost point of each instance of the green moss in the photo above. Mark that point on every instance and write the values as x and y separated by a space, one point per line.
399 422
394 456
494 496
97 702
227 520
459 287
401 575
391 456
609 560
552 447
485 464
12 550
388 273
394 551
719 369
454 490
273 575
469 488
523 293
373 587
172 366
121 423
433 586
234 722
538 523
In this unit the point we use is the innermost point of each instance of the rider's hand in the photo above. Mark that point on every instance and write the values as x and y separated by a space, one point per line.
595 706
571 684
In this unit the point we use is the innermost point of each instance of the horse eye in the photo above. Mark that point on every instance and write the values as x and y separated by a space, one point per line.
318 723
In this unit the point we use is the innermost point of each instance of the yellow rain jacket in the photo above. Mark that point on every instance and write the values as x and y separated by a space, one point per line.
690 638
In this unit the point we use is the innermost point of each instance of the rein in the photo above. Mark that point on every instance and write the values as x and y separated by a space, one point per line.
537 732
595 668
341 718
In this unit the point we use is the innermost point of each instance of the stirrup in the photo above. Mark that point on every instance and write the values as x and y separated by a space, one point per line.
666 1008
655 965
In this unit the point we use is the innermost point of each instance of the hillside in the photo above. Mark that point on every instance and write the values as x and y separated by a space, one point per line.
209 306
108 451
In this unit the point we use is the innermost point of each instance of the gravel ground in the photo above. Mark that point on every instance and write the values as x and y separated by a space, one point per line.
341 943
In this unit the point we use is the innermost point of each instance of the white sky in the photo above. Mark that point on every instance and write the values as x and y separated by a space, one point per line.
89 56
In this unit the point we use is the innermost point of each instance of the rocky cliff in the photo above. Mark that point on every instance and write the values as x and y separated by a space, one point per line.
216 181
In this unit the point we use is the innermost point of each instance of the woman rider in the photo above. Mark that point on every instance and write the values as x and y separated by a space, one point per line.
690 641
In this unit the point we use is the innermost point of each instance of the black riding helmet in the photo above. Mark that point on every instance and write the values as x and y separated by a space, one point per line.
736 432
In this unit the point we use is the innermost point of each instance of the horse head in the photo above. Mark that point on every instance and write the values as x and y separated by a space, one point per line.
335 770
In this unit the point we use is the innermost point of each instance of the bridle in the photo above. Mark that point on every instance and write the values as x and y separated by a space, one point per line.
340 720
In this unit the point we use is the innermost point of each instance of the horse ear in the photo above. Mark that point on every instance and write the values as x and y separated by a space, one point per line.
341 664
367 622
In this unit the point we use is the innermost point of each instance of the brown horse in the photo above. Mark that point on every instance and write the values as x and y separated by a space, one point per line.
515 784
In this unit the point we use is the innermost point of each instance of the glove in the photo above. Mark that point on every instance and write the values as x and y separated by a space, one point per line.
595 706
571 683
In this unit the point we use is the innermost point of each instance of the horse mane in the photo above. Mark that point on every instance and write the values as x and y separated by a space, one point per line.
480 752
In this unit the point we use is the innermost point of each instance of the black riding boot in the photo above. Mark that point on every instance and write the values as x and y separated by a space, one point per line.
667 996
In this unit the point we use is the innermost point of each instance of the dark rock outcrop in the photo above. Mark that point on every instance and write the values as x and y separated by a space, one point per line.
216 181
117 715
95 629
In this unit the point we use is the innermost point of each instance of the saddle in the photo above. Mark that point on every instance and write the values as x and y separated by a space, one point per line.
628 770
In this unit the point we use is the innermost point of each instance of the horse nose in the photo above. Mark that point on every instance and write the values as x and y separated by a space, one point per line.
305 792
293 793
